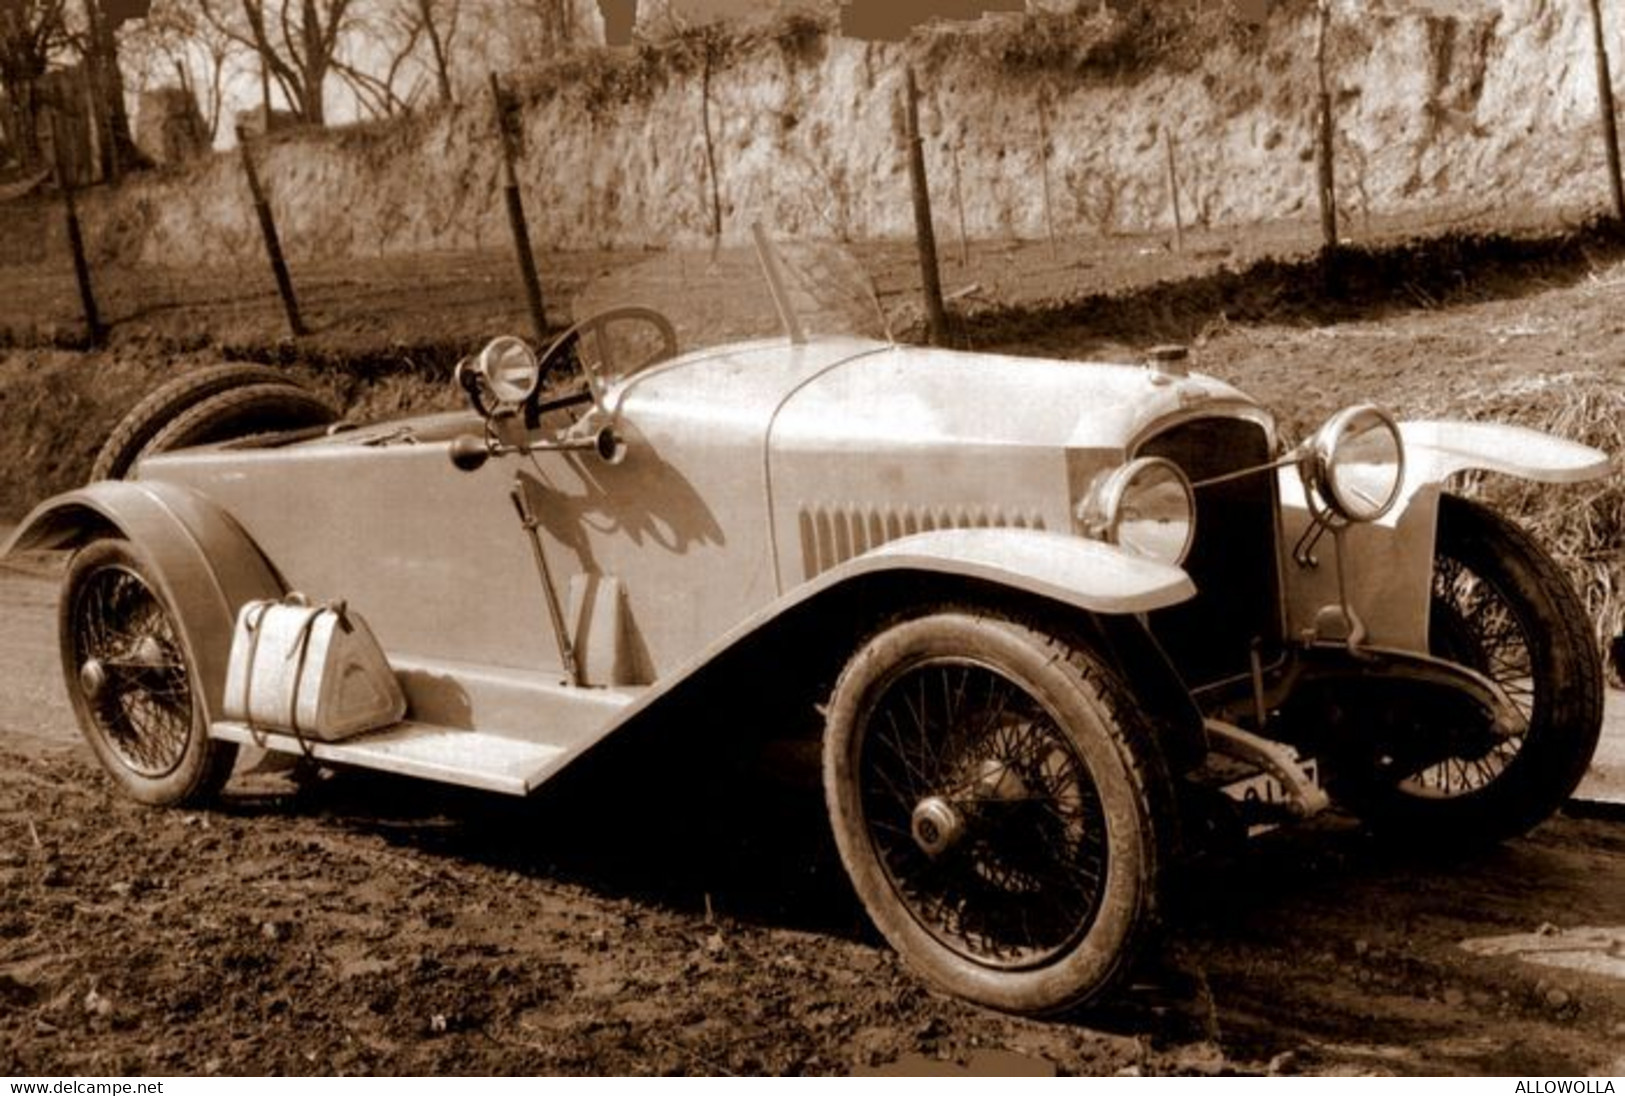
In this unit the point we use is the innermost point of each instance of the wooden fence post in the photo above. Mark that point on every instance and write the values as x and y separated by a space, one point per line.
1043 163
1173 191
1327 174
711 48
94 330
936 316
959 204
1610 126
273 245
516 218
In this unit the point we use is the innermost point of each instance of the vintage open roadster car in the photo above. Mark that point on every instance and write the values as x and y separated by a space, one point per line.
1044 617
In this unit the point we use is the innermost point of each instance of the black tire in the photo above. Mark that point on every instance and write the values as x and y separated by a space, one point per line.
118 454
129 675
239 412
1010 846
1500 606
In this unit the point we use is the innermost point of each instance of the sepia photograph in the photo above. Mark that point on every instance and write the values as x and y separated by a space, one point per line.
828 538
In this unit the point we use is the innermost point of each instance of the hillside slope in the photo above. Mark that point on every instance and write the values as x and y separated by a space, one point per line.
1493 107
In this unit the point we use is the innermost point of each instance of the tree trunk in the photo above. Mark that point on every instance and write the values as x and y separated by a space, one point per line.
25 125
442 75
108 84
265 95
313 66
620 19
313 74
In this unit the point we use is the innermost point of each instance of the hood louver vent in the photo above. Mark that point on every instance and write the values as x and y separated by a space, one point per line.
831 535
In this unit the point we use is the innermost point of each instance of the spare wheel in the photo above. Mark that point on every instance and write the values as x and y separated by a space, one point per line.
160 406
240 412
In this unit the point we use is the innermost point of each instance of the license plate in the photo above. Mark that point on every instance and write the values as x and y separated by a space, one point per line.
1264 790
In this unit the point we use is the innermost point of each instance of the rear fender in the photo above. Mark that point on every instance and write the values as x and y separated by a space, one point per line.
203 562
1390 572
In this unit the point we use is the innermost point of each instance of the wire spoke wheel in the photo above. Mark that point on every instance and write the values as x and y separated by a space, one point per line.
957 747
1500 606
139 693
1473 623
126 667
1000 807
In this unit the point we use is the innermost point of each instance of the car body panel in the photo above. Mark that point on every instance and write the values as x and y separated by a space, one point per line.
435 559
397 517
725 459
507 731
915 439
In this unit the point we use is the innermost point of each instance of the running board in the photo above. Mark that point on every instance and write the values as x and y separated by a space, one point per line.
472 759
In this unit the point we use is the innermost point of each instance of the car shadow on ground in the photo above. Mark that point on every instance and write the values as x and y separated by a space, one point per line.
687 832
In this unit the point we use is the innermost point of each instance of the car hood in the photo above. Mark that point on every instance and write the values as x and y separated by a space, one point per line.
917 396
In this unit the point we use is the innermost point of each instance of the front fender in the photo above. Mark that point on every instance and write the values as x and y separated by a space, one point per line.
205 565
806 635
1390 562
1435 451
1085 573
1088 575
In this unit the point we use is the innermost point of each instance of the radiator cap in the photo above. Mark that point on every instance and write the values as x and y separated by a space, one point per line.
1168 361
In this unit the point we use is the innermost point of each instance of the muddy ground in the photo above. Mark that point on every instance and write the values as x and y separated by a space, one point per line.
358 924
638 919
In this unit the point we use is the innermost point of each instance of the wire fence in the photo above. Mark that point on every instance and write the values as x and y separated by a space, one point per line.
1098 226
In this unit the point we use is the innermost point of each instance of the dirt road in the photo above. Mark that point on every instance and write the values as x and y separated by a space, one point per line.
363 925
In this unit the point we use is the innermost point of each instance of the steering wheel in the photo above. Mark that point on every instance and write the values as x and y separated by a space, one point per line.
565 351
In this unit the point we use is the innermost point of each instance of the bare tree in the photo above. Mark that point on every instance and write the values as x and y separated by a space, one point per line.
439 18
409 46
31 33
297 42
393 35
176 43
555 20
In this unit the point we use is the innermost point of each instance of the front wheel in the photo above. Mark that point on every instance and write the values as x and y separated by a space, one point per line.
1502 607
129 677
1000 808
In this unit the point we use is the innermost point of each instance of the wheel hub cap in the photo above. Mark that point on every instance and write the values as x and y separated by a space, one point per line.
936 826
92 678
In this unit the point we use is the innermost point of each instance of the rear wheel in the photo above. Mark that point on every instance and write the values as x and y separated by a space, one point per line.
118 454
1000 808
129 677
1502 607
